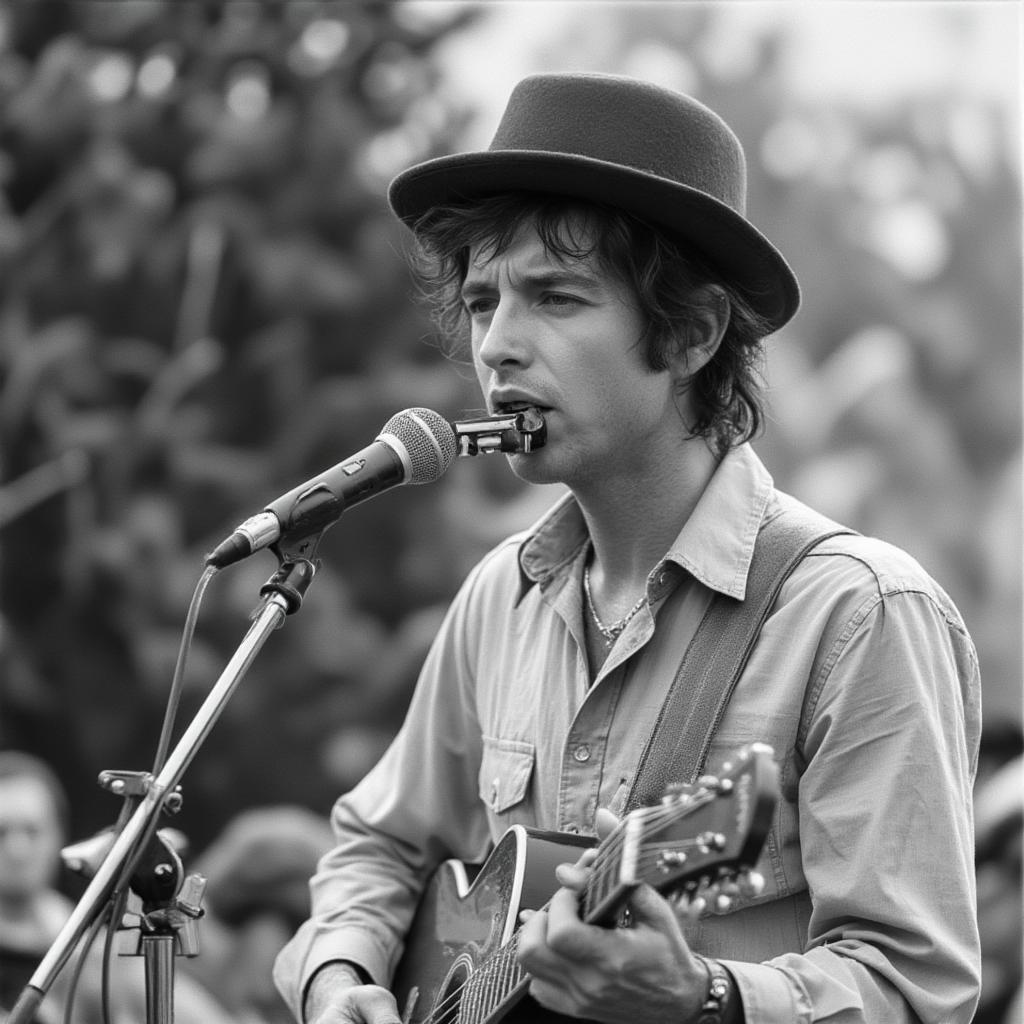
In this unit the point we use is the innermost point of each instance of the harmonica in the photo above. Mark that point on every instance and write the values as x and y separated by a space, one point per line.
524 431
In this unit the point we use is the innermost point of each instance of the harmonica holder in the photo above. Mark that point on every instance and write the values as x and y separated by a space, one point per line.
517 432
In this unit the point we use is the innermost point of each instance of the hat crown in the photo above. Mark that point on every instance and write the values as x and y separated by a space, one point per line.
658 155
630 123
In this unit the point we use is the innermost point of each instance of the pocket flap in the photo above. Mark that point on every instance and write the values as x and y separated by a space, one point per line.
505 770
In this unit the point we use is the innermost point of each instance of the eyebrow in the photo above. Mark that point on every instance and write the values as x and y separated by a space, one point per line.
538 280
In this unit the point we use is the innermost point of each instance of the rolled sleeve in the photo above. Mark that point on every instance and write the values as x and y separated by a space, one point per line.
767 994
417 807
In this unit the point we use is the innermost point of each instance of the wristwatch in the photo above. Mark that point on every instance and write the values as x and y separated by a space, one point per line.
719 993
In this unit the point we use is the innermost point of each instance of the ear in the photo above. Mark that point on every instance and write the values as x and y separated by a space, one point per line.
703 333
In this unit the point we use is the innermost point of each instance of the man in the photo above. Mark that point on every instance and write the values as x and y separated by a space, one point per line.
33 823
599 266
33 826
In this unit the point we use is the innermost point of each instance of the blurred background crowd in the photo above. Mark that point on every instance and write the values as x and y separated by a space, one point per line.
204 300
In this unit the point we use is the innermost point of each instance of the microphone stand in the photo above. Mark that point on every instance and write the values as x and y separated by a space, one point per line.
155 867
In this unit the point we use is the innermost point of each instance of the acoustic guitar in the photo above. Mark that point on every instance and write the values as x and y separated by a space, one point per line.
697 845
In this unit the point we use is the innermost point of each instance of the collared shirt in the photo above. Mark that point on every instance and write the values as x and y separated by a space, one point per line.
863 680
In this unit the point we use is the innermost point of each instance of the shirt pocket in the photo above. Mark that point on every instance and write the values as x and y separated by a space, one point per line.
506 768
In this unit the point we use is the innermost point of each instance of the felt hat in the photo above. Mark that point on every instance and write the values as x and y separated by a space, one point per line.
653 152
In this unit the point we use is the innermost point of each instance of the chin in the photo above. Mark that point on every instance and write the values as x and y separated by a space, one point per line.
535 468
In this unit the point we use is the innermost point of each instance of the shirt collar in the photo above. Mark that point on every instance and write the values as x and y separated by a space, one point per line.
715 544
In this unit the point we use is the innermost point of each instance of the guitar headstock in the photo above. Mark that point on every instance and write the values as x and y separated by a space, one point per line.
699 843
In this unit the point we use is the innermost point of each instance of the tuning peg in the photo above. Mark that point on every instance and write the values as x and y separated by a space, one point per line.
708 841
677 794
723 903
669 859
689 906
751 883
698 905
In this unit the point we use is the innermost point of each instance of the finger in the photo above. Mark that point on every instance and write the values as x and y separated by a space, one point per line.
648 907
605 822
572 876
532 934
575 875
364 1004
376 1005
566 934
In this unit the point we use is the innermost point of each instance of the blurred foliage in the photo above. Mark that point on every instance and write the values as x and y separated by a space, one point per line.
203 302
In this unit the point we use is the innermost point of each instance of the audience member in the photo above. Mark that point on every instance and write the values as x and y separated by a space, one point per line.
33 826
257 895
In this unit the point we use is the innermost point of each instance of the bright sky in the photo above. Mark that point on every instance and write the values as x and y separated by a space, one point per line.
868 50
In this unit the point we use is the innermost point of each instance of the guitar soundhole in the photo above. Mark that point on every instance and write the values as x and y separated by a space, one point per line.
446 1009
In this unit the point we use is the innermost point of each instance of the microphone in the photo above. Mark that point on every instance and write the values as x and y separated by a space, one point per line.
414 447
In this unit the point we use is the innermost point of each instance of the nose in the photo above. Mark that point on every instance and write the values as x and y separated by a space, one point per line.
503 340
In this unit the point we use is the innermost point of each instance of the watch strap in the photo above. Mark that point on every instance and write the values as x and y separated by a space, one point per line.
718 994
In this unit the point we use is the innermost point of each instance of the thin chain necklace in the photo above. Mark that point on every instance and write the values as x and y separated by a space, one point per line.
610 633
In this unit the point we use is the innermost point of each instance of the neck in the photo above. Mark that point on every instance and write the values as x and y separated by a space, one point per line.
633 520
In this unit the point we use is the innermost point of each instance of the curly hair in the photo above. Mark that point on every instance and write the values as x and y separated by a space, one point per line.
668 280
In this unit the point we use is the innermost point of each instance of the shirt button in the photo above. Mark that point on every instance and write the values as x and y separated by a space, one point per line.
494 794
582 753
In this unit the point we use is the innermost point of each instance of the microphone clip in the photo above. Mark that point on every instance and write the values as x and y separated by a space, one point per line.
294 574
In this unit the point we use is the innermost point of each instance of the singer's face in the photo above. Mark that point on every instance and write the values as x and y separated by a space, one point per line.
563 335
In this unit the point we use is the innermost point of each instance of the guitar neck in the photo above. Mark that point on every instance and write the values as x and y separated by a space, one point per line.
613 875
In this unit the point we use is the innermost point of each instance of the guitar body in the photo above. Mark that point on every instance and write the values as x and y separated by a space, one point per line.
460 964
461 922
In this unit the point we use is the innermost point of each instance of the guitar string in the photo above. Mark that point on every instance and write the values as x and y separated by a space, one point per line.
491 983
503 955
491 970
654 816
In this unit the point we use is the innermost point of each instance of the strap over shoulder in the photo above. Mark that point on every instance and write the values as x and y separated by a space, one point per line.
678 747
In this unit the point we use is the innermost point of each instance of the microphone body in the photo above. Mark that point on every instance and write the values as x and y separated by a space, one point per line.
416 446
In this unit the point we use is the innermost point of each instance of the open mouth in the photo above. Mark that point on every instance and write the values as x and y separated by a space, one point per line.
508 408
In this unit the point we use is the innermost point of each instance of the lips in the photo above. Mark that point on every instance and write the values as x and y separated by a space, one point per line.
516 405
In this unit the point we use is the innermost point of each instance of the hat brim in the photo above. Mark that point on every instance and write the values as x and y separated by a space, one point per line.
727 240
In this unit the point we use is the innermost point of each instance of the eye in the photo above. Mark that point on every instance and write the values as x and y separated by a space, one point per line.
560 300
479 306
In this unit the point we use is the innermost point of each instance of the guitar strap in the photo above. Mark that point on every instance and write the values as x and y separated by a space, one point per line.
678 747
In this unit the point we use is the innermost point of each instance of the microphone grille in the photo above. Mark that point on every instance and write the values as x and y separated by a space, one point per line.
429 440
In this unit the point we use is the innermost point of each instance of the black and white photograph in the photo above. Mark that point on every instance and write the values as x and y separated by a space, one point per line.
685 680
